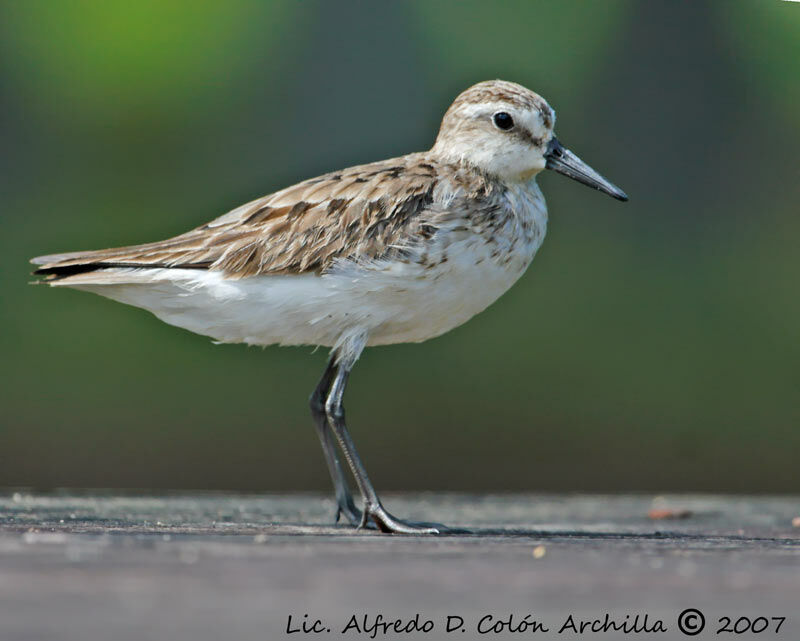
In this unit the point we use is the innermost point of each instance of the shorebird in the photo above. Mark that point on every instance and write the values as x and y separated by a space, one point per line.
396 251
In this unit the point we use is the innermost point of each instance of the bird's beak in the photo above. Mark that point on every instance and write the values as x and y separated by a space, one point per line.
565 162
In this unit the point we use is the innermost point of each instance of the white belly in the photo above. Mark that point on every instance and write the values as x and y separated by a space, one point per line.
391 302
411 303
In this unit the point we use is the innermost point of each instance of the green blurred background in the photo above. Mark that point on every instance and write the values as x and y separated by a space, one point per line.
652 346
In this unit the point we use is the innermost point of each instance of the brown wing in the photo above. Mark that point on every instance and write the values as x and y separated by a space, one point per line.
360 213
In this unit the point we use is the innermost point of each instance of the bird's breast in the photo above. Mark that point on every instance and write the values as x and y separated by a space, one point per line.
510 227
466 266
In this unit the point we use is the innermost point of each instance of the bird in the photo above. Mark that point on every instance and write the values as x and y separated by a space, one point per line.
395 251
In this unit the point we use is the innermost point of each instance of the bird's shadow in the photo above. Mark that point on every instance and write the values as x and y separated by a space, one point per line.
564 535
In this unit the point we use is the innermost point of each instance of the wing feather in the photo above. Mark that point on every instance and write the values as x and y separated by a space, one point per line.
361 213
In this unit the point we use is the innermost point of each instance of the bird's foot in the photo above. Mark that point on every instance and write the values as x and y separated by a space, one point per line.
385 522
376 517
346 507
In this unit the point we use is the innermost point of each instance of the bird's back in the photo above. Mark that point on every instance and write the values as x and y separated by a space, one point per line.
358 213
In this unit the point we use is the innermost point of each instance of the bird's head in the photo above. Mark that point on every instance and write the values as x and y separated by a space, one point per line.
506 130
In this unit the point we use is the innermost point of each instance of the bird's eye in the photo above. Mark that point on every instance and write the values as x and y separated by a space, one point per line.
503 121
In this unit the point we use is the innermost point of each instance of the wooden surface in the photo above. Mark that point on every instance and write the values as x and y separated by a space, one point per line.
230 567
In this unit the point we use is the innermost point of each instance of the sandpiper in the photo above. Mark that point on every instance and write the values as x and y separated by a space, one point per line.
396 251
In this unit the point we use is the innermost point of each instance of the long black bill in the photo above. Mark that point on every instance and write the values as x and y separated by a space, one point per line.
565 162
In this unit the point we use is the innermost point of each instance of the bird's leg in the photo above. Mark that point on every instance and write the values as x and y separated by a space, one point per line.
344 499
372 505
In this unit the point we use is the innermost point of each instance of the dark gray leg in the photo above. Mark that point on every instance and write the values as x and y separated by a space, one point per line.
344 498
372 505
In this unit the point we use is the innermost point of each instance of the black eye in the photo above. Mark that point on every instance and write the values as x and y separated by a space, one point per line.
503 120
